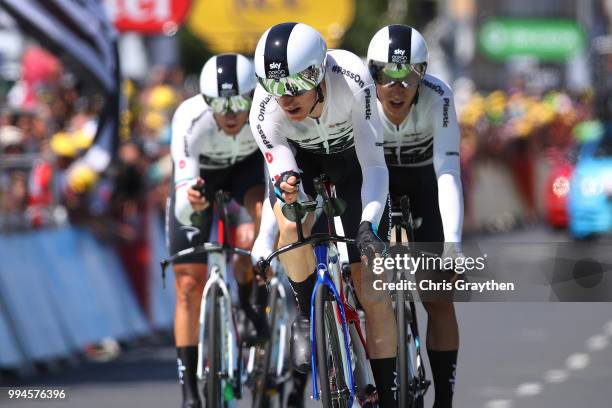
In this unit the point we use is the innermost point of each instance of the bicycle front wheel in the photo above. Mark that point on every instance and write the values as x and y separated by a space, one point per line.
407 369
214 386
334 387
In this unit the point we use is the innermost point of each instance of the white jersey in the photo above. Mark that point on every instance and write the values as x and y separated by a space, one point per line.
349 119
199 144
430 134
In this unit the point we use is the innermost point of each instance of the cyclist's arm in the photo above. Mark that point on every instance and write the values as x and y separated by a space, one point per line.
269 130
446 164
368 145
268 230
185 146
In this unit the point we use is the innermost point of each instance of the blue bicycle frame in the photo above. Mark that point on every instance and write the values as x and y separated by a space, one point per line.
323 278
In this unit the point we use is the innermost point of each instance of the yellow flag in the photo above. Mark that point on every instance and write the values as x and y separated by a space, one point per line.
236 25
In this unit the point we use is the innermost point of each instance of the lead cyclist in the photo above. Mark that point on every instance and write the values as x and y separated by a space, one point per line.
321 104
421 144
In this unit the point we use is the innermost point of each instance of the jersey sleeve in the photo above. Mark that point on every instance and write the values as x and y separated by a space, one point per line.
187 137
269 129
447 166
367 131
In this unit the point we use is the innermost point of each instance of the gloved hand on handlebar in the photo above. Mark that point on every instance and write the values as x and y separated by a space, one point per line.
368 241
287 186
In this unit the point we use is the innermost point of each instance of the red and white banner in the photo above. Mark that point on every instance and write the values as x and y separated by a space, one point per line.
147 16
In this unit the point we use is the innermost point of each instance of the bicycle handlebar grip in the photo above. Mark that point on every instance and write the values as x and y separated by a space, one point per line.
261 267
319 186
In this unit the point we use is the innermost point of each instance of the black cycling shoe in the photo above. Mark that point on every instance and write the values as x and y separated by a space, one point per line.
300 344
191 404
296 399
258 331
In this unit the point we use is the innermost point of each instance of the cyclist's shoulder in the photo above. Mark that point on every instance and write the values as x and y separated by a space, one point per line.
190 109
346 68
264 108
192 117
434 89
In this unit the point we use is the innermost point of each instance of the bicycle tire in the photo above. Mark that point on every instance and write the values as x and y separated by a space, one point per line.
403 375
334 390
260 397
214 391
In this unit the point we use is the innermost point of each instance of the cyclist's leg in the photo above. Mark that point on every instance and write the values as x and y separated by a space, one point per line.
381 329
299 264
442 328
247 188
190 277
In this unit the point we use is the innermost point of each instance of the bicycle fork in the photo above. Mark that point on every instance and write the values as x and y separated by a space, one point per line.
227 327
323 278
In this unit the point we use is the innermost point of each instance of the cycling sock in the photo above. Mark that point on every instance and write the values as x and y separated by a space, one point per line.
443 368
303 292
261 295
385 376
187 362
244 295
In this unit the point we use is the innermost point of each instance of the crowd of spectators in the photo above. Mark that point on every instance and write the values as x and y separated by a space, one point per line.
518 128
49 120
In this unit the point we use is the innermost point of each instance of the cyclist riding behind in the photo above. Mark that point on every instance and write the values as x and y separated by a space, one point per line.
212 149
322 104
421 145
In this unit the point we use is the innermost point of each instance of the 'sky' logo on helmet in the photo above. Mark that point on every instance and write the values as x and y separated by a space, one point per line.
275 65
227 85
399 52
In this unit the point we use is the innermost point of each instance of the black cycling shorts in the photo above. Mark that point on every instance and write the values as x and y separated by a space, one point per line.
344 171
237 180
420 184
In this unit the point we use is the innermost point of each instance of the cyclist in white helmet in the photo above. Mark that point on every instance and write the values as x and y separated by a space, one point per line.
212 148
421 144
321 104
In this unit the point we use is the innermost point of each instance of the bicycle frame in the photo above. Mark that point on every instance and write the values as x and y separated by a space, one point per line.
217 278
323 278
328 272
418 385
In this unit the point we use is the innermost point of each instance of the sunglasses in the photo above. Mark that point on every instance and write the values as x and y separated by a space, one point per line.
224 105
387 74
293 85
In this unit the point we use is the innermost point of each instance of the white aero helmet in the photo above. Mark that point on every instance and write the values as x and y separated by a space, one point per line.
226 82
290 59
397 53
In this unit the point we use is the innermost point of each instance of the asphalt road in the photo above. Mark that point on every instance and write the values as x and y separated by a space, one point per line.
513 355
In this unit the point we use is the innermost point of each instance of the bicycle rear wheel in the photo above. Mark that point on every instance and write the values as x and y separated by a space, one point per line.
334 387
265 393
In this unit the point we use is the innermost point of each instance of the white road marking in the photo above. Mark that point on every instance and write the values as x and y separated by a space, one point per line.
577 361
597 343
528 389
556 376
500 403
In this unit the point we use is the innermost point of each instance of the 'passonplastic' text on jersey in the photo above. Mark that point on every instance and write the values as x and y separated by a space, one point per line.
349 119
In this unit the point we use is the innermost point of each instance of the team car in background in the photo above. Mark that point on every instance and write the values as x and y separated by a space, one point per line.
590 197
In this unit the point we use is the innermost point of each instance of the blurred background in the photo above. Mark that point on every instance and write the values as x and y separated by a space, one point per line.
87 93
